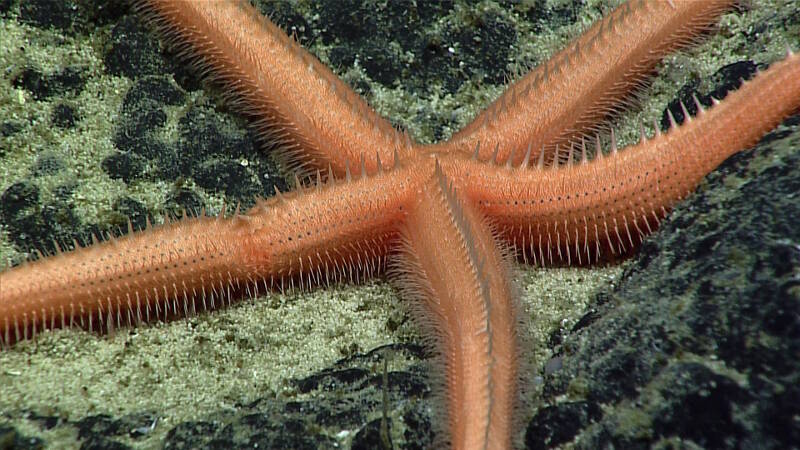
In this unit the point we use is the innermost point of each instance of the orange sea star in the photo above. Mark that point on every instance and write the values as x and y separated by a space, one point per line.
588 253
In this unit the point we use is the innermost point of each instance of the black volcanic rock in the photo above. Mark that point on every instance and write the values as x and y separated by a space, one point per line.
695 343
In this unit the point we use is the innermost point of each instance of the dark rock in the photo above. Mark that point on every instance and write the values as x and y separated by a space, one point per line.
17 198
340 413
283 14
69 80
289 434
107 11
408 383
341 399
373 436
190 435
99 429
224 158
131 51
220 155
228 177
59 224
380 34
135 132
47 164
206 134
11 439
558 424
9 128
102 443
44 421
101 424
64 116
133 211
151 92
330 380
726 79
126 166
495 37
5 7
699 406
418 432
49 13
144 152
716 284
543 14
184 200
35 226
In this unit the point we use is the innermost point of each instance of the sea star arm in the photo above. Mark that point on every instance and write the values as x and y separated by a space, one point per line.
339 230
295 100
583 210
566 98
454 274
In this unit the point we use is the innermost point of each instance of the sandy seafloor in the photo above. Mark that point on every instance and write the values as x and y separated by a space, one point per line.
212 361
